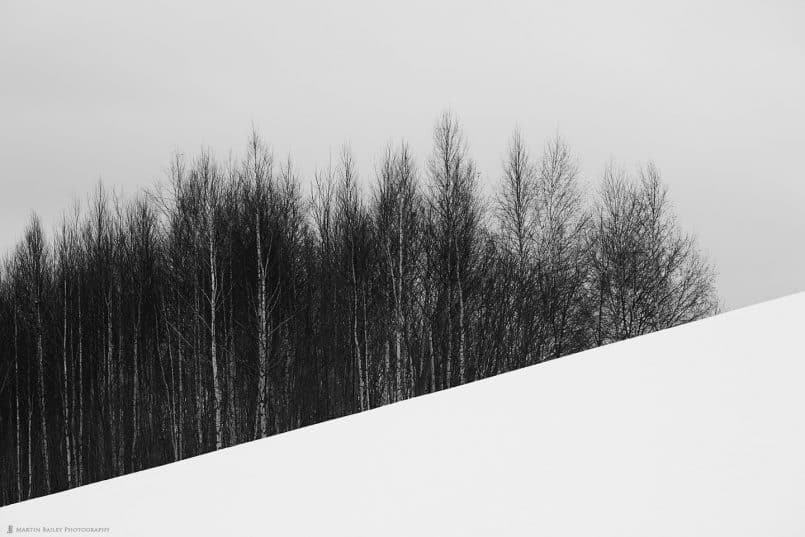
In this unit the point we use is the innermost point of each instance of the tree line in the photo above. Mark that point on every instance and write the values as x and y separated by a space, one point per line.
228 304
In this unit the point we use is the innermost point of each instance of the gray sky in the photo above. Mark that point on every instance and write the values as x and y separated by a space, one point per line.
712 91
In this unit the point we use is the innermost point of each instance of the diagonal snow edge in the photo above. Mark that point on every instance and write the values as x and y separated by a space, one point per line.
696 430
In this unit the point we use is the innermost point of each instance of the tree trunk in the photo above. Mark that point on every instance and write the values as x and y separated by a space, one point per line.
361 386
65 398
17 404
30 440
232 385
448 381
431 357
232 373
197 360
462 365
170 390
387 392
108 383
398 316
366 366
119 392
401 382
180 404
135 392
80 450
219 431
42 411
261 422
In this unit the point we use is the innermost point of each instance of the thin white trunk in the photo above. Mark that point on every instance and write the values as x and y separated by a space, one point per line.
432 359
232 373
462 366
17 405
197 363
361 386
367 396
219 431
398 367
107 372
30 440
136 389
398 325
199 403
80 450
119 395
65 399
40 358
387 371
261 424
170 391
410 362
449 360
427 331
232 381
73 403
180 404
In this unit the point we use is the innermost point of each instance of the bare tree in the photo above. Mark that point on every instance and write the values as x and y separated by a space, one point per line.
561 225
456 211
224 305
259 176
517 215
34 263
648 275
396 212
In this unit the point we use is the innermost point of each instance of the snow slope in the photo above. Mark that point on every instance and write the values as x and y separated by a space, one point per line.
698 430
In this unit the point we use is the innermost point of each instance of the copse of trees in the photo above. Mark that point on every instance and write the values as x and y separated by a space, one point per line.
228 305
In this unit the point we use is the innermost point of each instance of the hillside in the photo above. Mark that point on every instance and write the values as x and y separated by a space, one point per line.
696 430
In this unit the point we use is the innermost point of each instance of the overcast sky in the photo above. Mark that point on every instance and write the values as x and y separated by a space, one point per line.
713 92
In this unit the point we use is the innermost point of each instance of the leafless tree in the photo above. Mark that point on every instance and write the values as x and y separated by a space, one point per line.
647 275
227 305
456 212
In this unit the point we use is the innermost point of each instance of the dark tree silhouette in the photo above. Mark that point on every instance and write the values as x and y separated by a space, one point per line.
226 305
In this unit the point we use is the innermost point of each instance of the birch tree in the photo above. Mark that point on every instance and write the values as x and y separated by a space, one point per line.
34 263
227 303
517 216
396 213
455 208
647 274
561 226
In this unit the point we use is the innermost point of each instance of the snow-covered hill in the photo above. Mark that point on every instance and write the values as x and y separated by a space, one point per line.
699 430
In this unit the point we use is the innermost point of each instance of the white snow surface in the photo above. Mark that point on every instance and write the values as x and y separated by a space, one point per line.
694 431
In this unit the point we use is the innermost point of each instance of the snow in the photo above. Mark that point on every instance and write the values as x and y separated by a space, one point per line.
698 430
